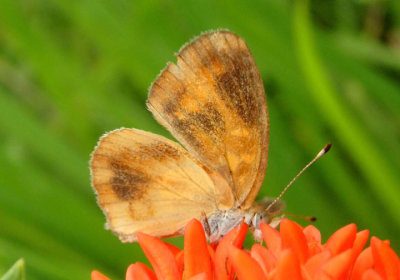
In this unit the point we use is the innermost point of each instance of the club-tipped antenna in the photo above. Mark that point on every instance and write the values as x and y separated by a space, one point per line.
307 218
320 154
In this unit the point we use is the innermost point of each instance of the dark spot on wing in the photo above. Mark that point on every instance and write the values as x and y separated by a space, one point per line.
207 122
210 121
170 108
186 129
238 89
160 151
237 86
128 183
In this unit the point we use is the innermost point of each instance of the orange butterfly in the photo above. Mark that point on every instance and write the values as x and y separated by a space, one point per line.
212 100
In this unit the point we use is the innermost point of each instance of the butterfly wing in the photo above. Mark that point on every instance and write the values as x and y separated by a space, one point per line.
212 100
147 183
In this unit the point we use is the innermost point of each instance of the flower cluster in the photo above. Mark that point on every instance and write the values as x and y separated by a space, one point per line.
293 253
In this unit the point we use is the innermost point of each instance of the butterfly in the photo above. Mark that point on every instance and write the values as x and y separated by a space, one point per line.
212 101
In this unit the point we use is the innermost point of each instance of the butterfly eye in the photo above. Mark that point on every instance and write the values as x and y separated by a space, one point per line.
265 219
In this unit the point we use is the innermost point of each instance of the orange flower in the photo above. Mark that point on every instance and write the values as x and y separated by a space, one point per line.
293 253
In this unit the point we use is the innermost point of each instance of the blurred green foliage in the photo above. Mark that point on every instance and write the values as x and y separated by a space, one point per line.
16 272
72 70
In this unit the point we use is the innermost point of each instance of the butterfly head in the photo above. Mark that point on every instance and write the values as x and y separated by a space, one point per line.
267 213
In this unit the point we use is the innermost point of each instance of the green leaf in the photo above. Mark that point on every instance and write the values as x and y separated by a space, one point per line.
16 272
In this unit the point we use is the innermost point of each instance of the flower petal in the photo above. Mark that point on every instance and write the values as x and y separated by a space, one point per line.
360 241
342 239
386 261
139 271
160 257
98 276
200 276
196 254
180 260
363 262
339 265
371 274
288 266
264 257
315 263
211 252
272 238
223 269
175 250
245 267
304 274
294 253
313 237
312 234
293 237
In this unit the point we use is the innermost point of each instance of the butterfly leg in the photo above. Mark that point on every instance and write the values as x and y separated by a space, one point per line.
206 225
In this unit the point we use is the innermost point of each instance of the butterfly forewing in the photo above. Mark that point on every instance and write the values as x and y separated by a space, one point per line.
212 100
145 182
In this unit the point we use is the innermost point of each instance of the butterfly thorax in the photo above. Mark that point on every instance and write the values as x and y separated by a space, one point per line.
221 222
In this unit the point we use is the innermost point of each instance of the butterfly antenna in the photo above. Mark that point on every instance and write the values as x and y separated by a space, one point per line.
320 154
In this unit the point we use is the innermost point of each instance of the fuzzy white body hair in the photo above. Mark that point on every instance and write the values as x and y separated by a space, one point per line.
221 223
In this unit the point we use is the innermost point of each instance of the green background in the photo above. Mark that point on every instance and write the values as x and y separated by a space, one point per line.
72 70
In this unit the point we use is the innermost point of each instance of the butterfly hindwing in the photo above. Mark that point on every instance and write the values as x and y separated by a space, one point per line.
145 182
